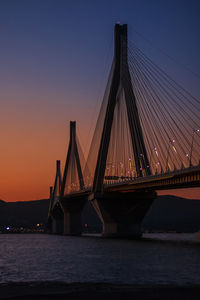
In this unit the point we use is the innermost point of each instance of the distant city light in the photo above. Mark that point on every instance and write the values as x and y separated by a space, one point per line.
38 225
7 228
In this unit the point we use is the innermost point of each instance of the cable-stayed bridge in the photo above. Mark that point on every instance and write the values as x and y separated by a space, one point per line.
147 138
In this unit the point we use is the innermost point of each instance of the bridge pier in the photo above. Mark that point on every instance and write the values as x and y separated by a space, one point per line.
57 226
122 230
72 207
122 213
57 221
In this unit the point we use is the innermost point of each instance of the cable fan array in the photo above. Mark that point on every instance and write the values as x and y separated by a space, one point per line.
73 180
169 118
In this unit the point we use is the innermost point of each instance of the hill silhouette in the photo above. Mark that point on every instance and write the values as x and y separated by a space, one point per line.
173 213
167 213
23 214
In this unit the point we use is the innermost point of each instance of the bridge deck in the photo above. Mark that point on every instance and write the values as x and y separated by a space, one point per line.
186 178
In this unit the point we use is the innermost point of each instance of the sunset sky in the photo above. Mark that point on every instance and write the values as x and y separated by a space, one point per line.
55 56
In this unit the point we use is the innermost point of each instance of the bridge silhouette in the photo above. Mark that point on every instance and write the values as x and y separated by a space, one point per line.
147 138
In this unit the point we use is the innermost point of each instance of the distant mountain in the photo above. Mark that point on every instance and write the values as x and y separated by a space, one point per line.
166 213
23 214
173 213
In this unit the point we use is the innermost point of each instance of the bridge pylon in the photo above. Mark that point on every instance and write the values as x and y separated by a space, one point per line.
118 212
56 209
50 200
72 200
49 218
121 79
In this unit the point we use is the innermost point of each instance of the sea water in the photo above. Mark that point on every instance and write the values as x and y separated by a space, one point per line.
156 259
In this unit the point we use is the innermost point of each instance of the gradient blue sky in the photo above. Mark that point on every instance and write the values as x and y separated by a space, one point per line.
55 56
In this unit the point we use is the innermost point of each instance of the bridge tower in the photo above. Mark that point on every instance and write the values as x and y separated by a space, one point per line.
56 209
72 201
118 211
49 218
50 200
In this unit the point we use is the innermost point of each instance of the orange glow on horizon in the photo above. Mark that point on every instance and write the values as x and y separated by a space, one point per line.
31 142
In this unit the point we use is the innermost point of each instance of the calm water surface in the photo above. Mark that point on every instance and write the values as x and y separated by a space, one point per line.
38 257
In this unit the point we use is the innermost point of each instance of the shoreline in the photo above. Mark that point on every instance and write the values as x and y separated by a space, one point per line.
97 291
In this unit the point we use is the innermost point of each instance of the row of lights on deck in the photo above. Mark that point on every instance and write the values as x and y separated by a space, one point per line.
130 163
158 163
187 155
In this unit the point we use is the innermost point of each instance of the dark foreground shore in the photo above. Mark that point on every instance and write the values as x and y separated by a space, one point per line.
97 291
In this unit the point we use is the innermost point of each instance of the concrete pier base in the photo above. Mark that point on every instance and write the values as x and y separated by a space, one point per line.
57 222
72 208
122 230
72 223
57 226
122 213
